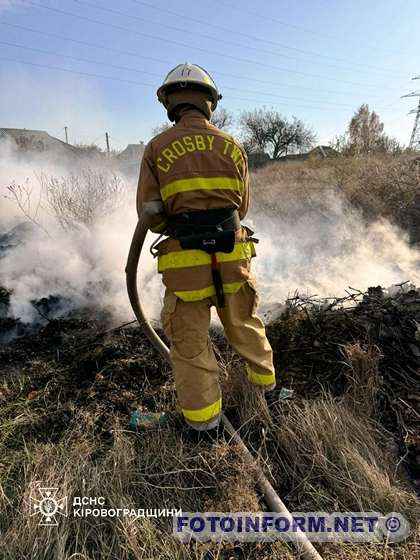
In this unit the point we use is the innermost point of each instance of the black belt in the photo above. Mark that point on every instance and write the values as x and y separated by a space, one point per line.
211 231
203 221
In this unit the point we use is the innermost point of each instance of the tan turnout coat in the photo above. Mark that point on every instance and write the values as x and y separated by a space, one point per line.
189 167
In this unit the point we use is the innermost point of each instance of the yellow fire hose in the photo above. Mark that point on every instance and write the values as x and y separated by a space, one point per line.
304 547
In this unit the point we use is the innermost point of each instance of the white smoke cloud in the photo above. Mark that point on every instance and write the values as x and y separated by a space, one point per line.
324 252
306 249
84 266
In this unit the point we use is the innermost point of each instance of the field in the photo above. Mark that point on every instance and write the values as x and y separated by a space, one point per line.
348 439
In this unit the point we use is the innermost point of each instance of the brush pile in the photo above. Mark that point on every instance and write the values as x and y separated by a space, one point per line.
316 343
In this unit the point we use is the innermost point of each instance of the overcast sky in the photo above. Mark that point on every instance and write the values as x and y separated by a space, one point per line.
95 65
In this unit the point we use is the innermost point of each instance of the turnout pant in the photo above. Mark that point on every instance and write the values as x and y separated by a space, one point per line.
195 368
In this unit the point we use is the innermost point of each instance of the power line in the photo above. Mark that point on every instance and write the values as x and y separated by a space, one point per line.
133 82
184 16
275 96
79 59
166 62
272 19
212 38
278 21
179 43
91 74
80 42
89 60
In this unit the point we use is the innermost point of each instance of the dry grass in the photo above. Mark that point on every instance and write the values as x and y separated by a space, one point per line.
329 454
156 469
322 454
380 186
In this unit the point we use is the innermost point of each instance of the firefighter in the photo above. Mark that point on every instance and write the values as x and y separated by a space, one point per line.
194 189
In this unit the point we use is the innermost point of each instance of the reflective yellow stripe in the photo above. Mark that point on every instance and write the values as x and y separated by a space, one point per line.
203 414
200 183
197 295
196 257
260 378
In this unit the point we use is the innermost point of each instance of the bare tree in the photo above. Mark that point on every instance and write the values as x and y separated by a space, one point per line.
269 132
222 118
365 131
83 198
365 135
24 198
389 145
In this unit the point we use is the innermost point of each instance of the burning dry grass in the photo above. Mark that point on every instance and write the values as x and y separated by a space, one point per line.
63 423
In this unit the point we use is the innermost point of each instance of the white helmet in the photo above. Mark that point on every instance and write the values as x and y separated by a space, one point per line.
189 76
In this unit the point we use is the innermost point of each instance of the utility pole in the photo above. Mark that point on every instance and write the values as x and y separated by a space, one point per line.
65 132
107 142
415 135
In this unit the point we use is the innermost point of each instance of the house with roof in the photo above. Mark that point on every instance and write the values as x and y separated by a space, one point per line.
319 152
130 158
27 141
260 159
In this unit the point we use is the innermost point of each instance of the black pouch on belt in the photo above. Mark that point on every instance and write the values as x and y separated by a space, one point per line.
219 241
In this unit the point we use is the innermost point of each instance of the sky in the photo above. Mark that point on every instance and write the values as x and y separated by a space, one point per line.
94 66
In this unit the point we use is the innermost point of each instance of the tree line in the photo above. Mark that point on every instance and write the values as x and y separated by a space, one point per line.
270 135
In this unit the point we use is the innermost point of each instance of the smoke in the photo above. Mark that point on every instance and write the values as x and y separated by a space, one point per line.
318 246
83 266
323 246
